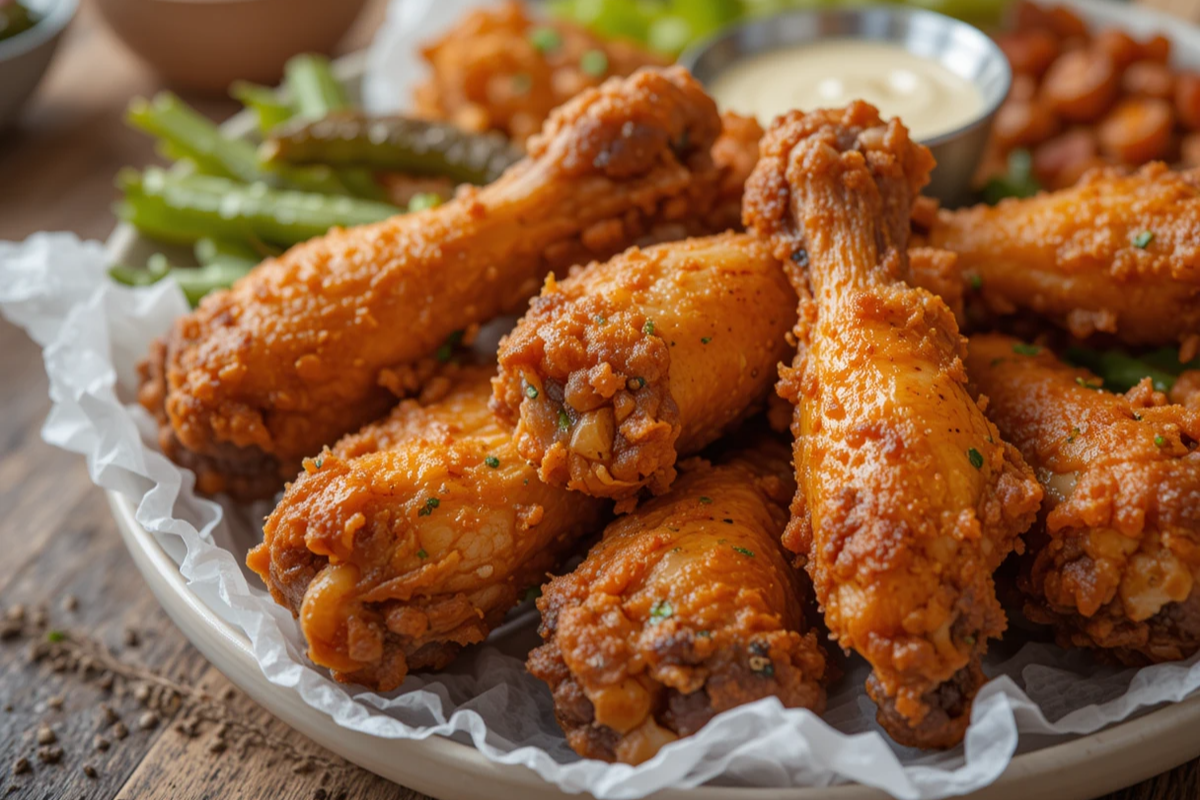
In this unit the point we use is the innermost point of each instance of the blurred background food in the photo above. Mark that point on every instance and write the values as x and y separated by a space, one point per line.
29 35
207 45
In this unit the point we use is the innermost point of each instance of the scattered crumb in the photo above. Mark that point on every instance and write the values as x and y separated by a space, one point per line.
21 766
148 720
119 731
70 603
99 743
90 771
45 735
15 613
50 755
56 702
131 638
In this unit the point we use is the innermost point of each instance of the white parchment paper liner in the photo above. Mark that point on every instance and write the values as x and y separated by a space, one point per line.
93 332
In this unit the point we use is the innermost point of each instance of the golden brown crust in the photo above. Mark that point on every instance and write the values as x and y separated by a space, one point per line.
1071 255
315 343
488 72
1117 558
908 499
687 607
414 536
627 363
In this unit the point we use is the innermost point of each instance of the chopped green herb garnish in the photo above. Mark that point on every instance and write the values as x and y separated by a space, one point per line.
594 63
564 421
976 458
423 200
422 554
969 639
447 347
1074 433
1143 239
706 500
600 320
648 328
319 462
522 83
492 462
659 611
1081 381
545 39
1022 349
1160 441
531 392
800 257
430 505
636 383
744 551
532 593
705 339
975 281
55 636
704 634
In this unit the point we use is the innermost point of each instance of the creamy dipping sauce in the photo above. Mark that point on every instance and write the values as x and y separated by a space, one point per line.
926 96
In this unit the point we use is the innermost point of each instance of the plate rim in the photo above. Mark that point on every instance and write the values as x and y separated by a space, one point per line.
1126 752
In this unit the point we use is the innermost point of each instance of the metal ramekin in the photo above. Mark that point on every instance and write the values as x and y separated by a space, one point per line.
963 49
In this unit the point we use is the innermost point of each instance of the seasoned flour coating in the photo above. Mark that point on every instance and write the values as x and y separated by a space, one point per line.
908 499
687 607
1115 563
319 341
627 363
1116 254
415 536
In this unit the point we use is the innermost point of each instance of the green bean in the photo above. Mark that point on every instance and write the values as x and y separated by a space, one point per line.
185 132
398 144
268 108
219 251
1119 371
184 209
314 90
194 281
1167 359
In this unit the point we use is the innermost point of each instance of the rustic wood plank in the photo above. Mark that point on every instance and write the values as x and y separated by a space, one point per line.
182 768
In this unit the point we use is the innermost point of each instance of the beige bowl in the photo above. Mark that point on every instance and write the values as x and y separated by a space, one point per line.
207 44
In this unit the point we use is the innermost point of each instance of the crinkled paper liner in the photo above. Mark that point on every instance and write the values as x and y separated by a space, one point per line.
93 332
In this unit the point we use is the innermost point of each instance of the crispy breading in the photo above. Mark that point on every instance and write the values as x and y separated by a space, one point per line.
501 69
1117 254
318 341
1115 563
908 499
686 608
627 363
415 535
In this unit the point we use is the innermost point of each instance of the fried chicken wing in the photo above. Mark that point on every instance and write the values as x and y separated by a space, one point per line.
415 536
1115 564
686 608
501 69
908 499
627 363
319 341
1116 254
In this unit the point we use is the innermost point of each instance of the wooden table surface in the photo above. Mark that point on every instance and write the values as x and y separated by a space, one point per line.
57 536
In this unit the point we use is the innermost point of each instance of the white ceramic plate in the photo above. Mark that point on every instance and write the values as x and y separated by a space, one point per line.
1072 770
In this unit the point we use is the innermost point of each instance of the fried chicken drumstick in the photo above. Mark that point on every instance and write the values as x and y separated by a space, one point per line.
1114 254
415 536
908 500
686 608
615 370
1116 561
319 341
